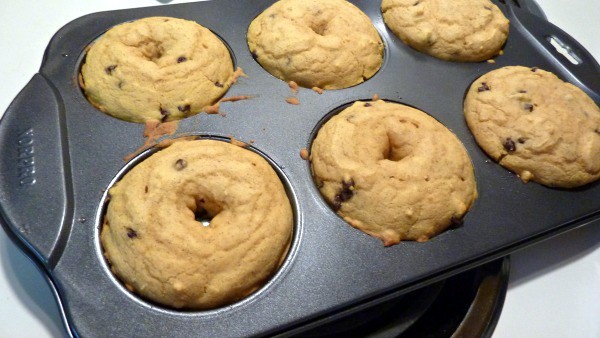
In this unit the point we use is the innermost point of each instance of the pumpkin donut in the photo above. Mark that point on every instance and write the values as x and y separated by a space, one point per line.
536 125
329 44
393 171
156 68
455 30
156 237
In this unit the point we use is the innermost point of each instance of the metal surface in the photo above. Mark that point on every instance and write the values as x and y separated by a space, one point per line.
386 319
531 6
464 305
484 311
76 152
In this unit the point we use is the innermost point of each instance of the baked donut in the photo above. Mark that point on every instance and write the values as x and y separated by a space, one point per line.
456 30
393 171
157 244
156 68
536 125
329 44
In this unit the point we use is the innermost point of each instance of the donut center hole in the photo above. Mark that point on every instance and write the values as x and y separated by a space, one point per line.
204 212
395 150
392 155
152 50
319 26
202 216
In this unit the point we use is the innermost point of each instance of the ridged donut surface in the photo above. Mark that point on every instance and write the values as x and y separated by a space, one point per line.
393 171
329 44
454 30
156 68
156 243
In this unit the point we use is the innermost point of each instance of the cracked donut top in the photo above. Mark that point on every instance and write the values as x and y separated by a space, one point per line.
156 68
198 225
456 30
536 125
393 171
328 44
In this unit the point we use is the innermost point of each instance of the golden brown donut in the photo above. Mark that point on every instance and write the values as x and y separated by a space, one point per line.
328 44
156 68
393 171
536 125
156 244
454 30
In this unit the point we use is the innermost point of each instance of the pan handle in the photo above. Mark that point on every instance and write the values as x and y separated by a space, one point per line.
575 64
35 189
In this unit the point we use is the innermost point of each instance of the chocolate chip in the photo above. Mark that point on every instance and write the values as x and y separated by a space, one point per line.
219 84
346 195
488 8
110 69
348 185
347 190
522 140
509 145
528 106
146 189
337 204
254 55
522 91
184 109
416 3
131 233
180 165
534 69
120 84
597 131
368 104
181 59
483 87
165 114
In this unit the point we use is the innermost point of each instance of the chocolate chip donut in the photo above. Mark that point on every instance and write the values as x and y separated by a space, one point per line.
456 30
393 171
536 125
156 68
159 241
328 44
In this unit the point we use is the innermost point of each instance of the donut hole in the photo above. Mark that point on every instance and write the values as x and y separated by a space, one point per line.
202 216
396 148
319 26
391 154
152 50
204 210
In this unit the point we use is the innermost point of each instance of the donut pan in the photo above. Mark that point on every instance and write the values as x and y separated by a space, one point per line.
60 154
